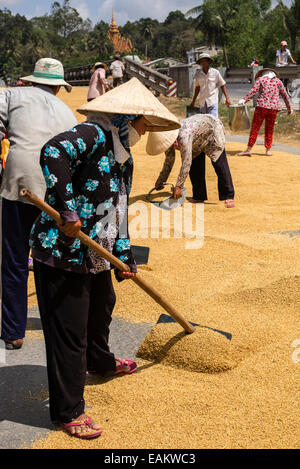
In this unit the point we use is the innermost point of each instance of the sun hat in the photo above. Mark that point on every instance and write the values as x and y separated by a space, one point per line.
133 98
204 56
100 63
261 72
48 71
159 142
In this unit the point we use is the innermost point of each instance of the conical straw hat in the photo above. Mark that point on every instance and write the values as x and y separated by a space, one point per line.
159 142
263 70
134 98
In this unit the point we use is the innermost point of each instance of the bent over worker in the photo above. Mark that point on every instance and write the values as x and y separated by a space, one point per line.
199 135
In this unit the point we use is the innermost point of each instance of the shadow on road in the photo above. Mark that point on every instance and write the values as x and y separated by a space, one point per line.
24 395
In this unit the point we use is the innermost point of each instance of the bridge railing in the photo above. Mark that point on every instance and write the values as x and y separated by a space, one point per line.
160 83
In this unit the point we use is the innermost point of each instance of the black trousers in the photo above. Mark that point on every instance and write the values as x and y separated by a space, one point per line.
197 176
76 312
17 221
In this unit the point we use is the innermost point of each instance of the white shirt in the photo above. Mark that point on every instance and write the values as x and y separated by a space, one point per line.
284 56
117 68
32 115
209 84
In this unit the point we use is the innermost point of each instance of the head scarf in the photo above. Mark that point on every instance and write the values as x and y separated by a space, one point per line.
269 74
118 125
121 121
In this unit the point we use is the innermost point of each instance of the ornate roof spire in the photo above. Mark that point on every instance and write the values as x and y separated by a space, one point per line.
120 43
113 18
113 29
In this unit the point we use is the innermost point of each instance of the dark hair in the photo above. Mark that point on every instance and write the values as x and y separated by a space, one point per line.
99 66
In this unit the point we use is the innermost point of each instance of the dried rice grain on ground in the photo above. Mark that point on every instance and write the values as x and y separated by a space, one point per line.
244 280
207 350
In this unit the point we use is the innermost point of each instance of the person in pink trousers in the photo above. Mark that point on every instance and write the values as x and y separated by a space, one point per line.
98 84
269 88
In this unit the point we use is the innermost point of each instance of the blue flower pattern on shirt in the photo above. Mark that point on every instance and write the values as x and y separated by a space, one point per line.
83 176
48 240
56 253
52 151
122 245
71 204
84 208
69 189
81 145
96 230
70 149
114 184
51 179
76 245
91 185
45 218
104 165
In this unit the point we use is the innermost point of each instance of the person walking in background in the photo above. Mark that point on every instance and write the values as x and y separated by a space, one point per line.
269 88
98 84
31 115
283 55
117 68
207 82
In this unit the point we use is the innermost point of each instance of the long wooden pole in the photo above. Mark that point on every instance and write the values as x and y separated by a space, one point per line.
32 198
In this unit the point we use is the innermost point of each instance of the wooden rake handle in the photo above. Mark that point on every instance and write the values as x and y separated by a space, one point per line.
44 207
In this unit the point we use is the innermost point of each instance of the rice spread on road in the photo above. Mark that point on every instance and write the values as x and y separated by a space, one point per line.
202 390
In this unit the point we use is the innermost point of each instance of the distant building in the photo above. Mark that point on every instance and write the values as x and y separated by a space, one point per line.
121 44
193 54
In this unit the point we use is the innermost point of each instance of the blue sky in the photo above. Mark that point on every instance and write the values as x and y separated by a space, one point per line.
101 9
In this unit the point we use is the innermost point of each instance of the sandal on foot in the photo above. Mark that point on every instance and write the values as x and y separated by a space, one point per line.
87 435
13 344
123 365
119 369
229 203
244 153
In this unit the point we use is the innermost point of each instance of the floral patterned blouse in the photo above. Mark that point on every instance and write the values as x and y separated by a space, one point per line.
84 182
201 133
270 90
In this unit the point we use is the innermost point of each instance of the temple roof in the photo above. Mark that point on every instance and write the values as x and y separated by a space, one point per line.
121 44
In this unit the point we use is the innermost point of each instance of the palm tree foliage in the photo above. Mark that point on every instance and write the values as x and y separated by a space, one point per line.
242 28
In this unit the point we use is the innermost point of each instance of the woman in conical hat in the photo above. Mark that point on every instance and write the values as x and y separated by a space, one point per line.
88 171
98 84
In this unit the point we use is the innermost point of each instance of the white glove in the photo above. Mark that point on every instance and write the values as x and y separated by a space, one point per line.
241 101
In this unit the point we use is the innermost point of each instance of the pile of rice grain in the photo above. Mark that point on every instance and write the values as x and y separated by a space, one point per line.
207 350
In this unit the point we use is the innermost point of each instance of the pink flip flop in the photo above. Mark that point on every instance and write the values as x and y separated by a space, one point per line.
124 363
229 203
83 435
119 369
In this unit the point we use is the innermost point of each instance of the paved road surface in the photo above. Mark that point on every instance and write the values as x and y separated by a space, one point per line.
24 411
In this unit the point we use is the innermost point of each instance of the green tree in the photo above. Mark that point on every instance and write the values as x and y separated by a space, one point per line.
291 21
99 43
233 25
